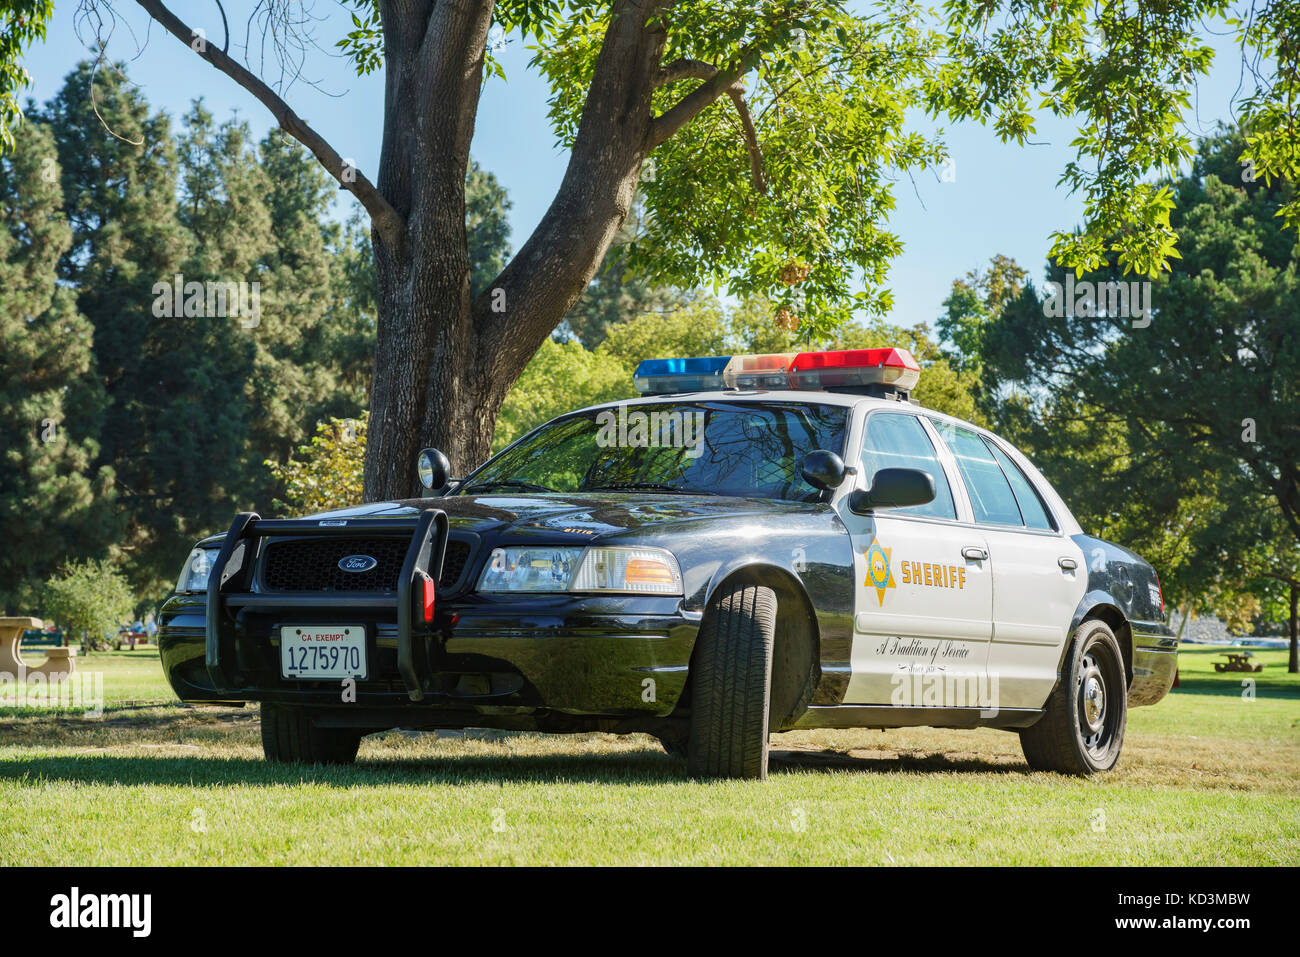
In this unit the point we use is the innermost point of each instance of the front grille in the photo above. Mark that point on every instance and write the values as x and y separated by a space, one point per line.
454 561
313 564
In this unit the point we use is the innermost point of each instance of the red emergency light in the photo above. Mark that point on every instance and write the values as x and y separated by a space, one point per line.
849 368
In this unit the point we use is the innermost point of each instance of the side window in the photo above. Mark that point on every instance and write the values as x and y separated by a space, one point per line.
894 440
1031 505
990 493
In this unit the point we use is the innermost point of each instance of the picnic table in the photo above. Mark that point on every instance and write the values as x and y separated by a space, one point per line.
1237 661
58 663
129 638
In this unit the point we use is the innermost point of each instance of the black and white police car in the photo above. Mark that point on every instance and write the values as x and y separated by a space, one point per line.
759 543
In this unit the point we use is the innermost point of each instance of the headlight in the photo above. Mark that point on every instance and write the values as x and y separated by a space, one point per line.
529 569
646 571
194 575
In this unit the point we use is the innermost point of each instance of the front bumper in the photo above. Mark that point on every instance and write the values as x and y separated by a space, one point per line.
1155 662
541 656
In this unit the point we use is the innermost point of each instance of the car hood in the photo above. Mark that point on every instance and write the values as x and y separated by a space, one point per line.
589 515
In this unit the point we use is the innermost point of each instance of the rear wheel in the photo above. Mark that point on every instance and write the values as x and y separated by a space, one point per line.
289 736
732 678
1082 730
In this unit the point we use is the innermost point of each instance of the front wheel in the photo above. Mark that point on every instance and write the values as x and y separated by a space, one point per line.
1082 729
732 677
288 735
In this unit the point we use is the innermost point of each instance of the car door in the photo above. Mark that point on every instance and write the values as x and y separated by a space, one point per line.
923 595
1038 573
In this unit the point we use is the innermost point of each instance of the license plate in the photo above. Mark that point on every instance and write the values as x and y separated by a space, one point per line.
323 651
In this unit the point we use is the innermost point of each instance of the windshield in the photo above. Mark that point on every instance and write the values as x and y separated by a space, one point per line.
750 449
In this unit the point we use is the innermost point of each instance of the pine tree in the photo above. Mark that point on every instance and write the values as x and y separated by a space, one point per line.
173 430
51 494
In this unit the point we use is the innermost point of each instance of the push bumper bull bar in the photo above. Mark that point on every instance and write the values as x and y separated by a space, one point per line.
231 579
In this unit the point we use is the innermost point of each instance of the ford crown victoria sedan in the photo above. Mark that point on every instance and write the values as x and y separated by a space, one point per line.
757 544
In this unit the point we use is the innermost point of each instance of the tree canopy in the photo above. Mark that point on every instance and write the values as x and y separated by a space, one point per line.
800 174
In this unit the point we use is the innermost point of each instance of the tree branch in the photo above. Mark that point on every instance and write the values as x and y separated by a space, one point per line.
685 69
387 221
665 125
756 172
691 105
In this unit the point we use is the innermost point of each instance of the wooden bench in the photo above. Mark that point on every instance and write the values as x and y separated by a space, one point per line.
58 663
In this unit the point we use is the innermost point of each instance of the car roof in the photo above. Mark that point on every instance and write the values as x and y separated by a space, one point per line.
785 396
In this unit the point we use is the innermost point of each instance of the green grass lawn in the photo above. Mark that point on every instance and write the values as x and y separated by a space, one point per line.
129 678
1207 777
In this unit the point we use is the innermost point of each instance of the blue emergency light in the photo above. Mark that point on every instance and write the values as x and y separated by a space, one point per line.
698 374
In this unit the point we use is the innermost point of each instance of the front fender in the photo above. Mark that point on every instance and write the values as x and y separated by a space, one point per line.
808 557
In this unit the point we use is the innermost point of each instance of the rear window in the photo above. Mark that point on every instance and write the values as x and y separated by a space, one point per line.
1032 509
990 492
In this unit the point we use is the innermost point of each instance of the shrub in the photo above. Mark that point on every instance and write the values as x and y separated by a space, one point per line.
91 597
326 472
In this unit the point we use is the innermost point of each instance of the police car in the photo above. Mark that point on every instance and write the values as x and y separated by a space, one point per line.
759 543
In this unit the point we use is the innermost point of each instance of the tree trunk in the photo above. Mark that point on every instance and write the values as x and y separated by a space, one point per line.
1293 660
433 72
421 325
444 364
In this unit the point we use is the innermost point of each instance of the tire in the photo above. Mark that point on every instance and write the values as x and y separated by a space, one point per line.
289 736
732 678
1082 729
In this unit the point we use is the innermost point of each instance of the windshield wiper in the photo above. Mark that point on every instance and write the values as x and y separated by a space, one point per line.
641 486
509 483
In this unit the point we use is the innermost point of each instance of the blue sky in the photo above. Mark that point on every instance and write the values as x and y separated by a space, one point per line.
1002 198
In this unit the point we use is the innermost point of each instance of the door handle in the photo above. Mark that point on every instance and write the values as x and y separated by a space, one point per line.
974 553
1069 564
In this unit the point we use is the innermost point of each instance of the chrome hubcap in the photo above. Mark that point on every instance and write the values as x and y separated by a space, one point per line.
1100 675
1094 702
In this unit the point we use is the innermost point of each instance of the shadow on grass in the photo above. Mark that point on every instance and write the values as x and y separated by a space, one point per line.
892 764
629 769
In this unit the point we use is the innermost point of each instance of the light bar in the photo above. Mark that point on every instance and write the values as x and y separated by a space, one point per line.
855 367
848 369
700 374
771 371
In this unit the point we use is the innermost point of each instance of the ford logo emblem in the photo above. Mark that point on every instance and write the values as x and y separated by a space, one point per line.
357 563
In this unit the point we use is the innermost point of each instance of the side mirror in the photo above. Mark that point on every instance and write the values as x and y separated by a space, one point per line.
894 488
823 470
434 469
